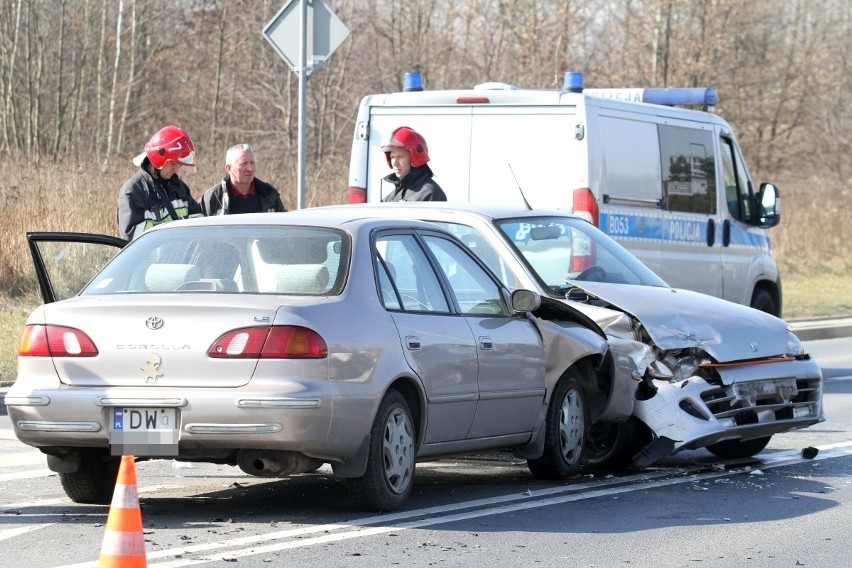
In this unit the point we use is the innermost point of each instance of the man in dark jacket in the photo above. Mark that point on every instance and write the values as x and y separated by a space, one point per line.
155 194
407 154
240 191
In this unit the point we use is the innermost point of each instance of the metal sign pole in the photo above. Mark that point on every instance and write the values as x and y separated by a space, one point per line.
289 34
303 79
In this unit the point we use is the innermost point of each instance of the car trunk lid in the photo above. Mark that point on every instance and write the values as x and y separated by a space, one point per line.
146 340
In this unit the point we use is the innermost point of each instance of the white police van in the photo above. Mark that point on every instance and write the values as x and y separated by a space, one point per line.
668 183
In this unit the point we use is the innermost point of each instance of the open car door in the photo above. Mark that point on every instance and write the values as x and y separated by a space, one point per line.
65 262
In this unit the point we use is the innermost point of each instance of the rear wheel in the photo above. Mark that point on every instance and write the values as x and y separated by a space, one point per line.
739 448
565 432
612 445
94 481
389 479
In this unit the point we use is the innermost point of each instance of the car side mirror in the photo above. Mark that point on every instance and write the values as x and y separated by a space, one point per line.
769 201
525 300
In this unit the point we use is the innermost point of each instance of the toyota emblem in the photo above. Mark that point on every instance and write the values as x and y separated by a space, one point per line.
154 322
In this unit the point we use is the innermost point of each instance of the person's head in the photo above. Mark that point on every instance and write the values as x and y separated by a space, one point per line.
168 150
405 149
240 164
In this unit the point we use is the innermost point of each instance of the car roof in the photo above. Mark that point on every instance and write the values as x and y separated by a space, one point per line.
416 209
344 218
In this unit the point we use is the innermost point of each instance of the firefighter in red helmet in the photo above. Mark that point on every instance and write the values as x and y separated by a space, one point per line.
155 194
407 154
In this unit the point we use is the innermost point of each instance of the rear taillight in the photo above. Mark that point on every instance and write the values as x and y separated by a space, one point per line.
55 341
582 248
277 342
586 206
357 195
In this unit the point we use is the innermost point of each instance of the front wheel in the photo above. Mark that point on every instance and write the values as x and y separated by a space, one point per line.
389 479
565 433
612 445
94 480
762 300
730 449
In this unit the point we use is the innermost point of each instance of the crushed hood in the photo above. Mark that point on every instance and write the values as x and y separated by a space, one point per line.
677 319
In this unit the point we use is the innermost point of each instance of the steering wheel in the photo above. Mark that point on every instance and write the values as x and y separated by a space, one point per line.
592 270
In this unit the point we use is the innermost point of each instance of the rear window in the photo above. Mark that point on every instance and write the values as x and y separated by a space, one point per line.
291 260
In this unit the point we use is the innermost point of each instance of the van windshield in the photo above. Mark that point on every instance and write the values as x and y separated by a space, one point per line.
561 250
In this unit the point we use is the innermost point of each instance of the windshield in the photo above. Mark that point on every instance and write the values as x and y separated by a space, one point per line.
293 260
562 250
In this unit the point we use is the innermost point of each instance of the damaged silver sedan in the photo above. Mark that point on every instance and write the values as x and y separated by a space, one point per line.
283 343
695 371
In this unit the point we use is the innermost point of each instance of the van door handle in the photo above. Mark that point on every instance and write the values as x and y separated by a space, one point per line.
486 343
726 233
412 342
711 232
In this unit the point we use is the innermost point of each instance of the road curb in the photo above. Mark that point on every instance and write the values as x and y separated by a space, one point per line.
827 328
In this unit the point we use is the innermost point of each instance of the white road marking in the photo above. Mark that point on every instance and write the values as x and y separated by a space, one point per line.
22 458
26 474
363 527
9 533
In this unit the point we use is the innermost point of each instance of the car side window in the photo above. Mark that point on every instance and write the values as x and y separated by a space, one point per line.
406 278
475 291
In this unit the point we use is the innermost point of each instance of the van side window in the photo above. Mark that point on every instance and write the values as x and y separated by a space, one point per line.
737 190
689 170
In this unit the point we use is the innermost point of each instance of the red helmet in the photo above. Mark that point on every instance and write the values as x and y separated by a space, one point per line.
405 137
169 144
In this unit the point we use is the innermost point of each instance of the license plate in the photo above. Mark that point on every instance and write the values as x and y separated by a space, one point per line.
143 419
144 432
785 388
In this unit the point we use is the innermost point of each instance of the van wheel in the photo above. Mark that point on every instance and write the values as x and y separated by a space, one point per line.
739 448
94 480
389 479
762 300
565 432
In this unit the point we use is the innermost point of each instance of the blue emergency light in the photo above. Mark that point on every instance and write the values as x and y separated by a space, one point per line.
704 96
412 81
573 81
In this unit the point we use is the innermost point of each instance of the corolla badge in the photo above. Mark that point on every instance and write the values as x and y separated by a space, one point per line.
154 322
151 368
755 347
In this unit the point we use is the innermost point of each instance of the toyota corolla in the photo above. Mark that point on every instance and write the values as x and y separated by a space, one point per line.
282 342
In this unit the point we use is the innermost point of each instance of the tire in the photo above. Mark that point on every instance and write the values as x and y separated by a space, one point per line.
739 448
389 479
565 434
94 481
612 445
762 300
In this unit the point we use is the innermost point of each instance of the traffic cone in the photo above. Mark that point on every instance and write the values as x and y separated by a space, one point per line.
124 545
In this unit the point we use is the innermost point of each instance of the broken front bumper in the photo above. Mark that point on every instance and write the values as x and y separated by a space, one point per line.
750 401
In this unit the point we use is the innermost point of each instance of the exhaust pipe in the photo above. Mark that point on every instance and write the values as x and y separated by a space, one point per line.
267 463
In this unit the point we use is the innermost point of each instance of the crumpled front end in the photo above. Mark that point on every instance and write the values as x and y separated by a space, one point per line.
739 403
713 374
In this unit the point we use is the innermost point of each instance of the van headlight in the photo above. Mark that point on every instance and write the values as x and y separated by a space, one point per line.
794 345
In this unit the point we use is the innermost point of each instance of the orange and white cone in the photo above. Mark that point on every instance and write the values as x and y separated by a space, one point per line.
124 545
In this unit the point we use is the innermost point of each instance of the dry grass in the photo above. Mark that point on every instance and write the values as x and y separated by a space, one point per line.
811 244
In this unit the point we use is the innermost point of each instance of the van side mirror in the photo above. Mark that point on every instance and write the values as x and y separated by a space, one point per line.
769 200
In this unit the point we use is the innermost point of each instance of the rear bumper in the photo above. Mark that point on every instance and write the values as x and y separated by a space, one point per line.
208 422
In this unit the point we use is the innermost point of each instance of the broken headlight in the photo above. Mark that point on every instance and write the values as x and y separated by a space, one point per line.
676 367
